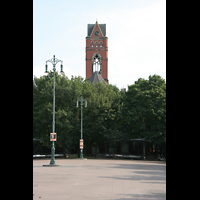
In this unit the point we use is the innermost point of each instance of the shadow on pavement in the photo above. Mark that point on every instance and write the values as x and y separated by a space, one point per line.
158 196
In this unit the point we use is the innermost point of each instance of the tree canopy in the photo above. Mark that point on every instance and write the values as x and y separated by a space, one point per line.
110 115
145 109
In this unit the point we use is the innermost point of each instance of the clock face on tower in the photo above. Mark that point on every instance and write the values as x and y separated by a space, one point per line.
96 33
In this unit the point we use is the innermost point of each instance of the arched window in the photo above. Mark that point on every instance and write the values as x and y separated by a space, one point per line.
96 44
92 44
100 44
96 63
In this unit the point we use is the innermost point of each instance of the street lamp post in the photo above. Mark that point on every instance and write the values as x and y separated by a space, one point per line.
53 61
81 100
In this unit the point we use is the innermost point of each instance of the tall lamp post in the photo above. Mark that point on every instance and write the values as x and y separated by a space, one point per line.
81 141
53 61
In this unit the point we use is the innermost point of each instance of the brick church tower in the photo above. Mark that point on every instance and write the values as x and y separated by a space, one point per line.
97 51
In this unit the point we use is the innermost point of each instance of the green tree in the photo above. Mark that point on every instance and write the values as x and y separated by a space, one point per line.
102 116
42 102
111 116
66 125
145 110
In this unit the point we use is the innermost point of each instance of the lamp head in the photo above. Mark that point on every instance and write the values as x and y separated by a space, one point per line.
46 68
61 68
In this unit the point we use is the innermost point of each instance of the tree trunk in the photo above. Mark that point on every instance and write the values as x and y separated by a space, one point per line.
64 152
95 152
63 148
105 148
78 150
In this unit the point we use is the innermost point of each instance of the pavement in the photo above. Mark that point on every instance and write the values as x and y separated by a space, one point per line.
99 179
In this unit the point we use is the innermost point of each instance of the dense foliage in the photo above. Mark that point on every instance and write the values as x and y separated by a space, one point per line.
145 110
110 116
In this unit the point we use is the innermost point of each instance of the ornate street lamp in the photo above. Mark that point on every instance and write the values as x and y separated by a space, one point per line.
81 141
53 61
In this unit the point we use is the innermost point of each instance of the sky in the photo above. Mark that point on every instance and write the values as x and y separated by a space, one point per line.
136 31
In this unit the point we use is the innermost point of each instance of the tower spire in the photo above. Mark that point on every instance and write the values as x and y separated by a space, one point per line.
97 51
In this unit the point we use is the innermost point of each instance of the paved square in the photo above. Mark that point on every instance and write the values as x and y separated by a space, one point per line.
99 179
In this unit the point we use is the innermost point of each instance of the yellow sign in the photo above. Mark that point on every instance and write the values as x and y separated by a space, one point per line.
53 136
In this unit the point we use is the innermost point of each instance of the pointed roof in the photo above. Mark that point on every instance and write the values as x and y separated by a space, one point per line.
96 78
92 27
